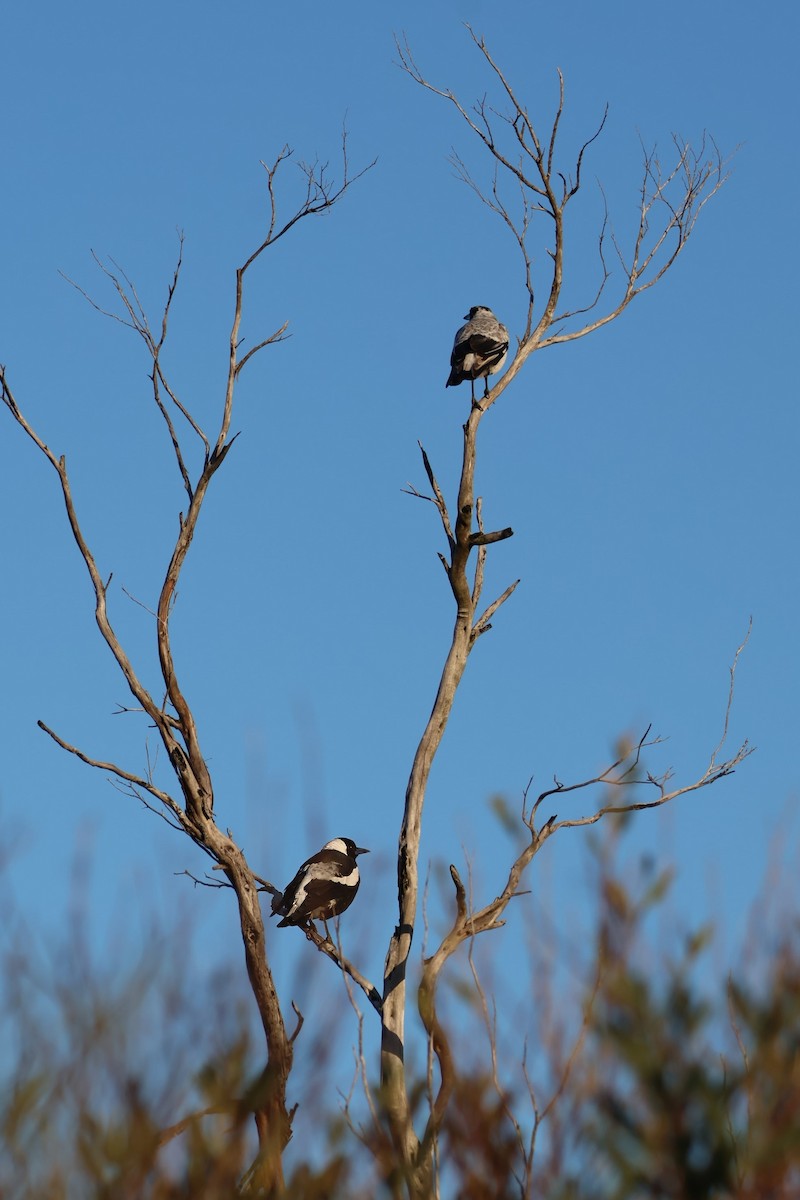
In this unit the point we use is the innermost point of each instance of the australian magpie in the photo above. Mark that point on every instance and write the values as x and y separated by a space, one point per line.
479 349
325 885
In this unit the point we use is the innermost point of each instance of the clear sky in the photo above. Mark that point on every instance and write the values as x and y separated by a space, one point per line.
649 471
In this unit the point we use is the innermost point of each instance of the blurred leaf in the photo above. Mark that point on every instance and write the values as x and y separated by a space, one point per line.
507 817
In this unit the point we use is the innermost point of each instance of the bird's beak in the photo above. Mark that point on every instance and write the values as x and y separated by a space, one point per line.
360 850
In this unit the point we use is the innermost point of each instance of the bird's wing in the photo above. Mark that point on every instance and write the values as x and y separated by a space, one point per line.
333 865
461 345
316 884
486 345
283 904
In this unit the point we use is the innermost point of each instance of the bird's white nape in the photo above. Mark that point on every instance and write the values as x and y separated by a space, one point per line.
336 844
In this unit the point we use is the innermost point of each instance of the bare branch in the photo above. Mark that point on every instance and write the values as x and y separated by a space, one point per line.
480 562
698 181
265 886
576 185
607 777
321 193
141 604
137 320
277 336
482 625
461 541
490 1022
208 882
100 587
576 1049
173 1131
334 953
674 195
468 923
178 732
439 500
731 689
300 1023
119 772
410 490
620 775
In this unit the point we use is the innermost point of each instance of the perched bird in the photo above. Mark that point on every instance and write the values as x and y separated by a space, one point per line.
325 885
479 349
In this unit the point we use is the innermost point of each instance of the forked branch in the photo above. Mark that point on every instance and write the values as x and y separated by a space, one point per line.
173 717
462 540
625 772
672 196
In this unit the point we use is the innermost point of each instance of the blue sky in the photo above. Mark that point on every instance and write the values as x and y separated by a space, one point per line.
649 471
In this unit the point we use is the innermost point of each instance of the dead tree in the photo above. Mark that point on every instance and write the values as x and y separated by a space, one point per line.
544 189
171 714
671 199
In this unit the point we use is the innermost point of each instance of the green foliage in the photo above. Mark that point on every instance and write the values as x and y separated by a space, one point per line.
675 1088
766 1022
659 1122
689 1096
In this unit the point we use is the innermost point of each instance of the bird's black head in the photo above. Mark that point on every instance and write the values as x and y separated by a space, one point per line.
350 848
477 308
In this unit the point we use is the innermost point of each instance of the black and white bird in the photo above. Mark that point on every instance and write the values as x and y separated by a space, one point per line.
325 885
479 349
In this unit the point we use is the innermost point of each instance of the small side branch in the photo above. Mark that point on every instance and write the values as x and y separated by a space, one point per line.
277 336
326 946
620 773
439 499
486 539
625 771
134 780
467 924
671 200
136 319
483 624
99 585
